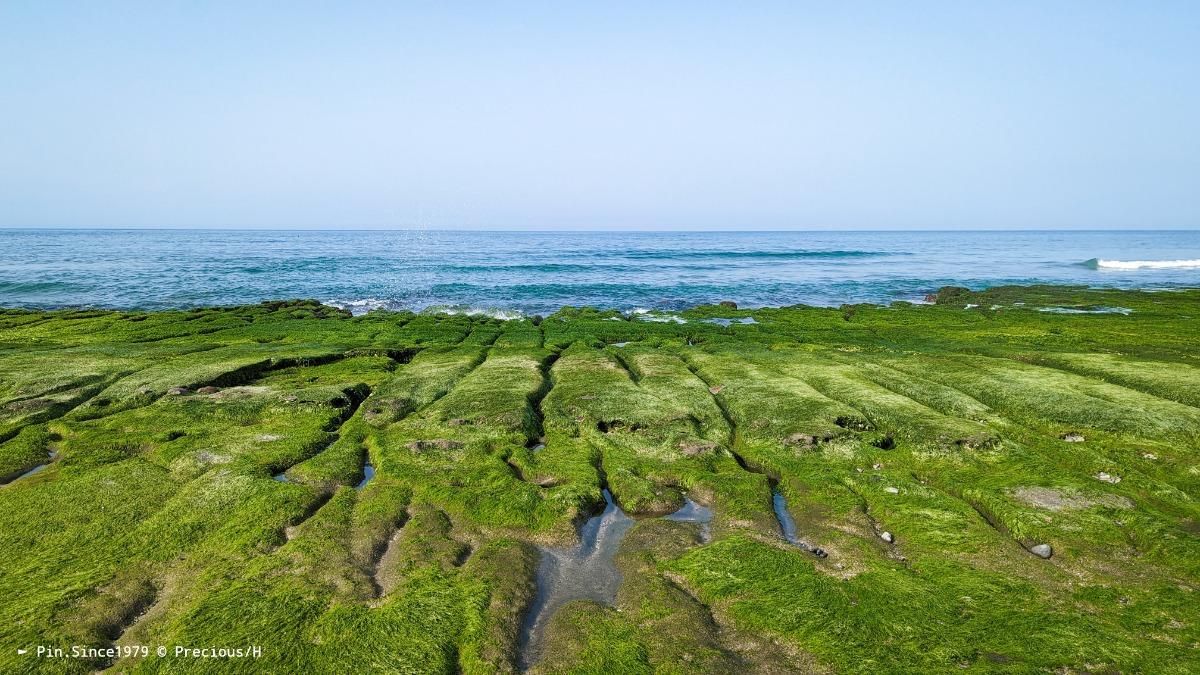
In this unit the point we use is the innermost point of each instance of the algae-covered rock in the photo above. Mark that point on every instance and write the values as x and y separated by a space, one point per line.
924 456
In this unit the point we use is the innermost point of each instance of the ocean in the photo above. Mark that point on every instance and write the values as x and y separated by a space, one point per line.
520 273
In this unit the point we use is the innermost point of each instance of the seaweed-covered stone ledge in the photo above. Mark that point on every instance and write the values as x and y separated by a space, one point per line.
1004 480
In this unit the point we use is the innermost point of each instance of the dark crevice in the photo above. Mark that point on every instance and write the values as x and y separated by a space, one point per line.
516 470
720 403
538 430
204 331
863 418
853 423
1054 458
62 408
125 618
135 612
597 507
778 502
347 404
885 442
711 617
238 376
254 371
76 384
1105 379
610 426
310 510
891 386
633 374
880 533
471 368
490 341
401 356
463 555
984 513
354 398
379 552
455 657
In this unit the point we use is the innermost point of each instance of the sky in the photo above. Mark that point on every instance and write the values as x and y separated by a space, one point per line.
618 115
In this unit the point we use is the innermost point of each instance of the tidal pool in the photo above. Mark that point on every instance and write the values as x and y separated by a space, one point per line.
788 526
35 470
691 512
368 474
584 572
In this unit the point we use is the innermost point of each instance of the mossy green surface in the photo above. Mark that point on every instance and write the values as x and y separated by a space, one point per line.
199 479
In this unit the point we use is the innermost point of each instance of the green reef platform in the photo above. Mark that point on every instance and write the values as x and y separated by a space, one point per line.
995 481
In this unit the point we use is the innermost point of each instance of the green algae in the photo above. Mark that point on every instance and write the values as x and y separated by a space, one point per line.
967 431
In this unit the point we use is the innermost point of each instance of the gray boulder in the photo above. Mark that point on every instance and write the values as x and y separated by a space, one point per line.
1041 550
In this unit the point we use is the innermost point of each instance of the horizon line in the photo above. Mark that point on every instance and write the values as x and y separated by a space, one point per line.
107 228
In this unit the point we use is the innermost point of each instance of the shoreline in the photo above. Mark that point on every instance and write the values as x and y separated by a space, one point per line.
506 314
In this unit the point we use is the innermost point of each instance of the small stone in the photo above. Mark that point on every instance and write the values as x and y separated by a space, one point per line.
207 390
178 391
820 553
1149 455
887 536
1042 550
892 490
716 390
1108 478
1072 438
877 466
729 303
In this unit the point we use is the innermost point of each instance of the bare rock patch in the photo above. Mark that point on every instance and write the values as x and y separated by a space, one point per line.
1067 500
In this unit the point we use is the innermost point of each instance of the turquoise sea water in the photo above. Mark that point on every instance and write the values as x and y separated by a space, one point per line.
537 272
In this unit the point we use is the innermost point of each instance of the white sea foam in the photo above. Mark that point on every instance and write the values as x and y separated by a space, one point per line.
745 320
646 315
1087 310
1146 264
662 318
643 314
363 305
502 314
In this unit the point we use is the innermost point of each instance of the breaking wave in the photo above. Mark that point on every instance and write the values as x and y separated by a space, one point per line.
365 305
1098 264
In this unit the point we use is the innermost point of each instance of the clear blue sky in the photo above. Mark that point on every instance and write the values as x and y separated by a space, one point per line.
647 115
